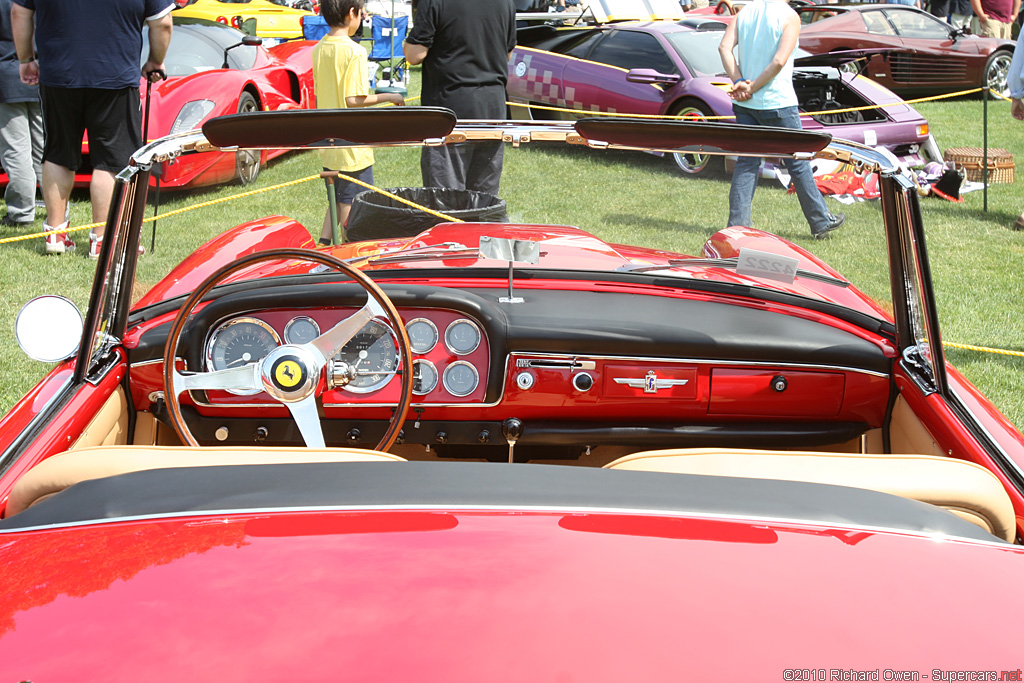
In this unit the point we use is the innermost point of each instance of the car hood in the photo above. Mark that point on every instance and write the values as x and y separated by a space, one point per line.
493 595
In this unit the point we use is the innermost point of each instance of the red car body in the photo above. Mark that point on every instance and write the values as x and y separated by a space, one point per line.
275 79
919 54
469 563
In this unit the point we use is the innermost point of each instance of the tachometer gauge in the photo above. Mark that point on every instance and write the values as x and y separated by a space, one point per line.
373 354
462 337
424 377
422 335
239 342
301 330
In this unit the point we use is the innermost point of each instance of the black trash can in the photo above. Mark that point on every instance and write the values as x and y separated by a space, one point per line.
375 216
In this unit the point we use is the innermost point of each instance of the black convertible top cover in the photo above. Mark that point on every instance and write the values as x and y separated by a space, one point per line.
367 485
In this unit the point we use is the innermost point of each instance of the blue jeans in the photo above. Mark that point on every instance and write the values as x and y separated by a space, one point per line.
745 175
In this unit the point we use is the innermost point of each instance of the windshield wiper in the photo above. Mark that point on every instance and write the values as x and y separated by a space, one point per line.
436 252
729 263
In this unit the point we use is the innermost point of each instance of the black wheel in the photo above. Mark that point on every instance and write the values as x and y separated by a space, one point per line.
247 161
997 68
688 162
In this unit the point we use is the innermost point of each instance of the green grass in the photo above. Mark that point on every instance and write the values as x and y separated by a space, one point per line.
978 279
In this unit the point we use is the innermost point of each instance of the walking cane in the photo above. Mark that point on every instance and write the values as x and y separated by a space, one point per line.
160 75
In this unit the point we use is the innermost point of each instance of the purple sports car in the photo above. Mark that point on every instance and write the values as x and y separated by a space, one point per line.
673 68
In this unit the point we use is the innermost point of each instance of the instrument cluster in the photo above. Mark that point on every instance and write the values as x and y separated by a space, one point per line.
450 356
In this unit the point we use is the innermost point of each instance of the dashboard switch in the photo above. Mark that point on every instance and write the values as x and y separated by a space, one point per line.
524 381
441 437
582 381
353 435
261 435
484 436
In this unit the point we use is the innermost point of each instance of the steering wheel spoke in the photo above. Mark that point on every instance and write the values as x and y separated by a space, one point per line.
330 343
242 378
307 419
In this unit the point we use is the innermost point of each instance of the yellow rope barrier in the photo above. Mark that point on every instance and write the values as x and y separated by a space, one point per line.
721 118
983 349
403 200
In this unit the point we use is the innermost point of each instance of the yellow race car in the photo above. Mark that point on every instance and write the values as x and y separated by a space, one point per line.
273 20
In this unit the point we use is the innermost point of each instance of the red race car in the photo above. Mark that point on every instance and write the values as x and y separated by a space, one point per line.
918 54
214 70
505 451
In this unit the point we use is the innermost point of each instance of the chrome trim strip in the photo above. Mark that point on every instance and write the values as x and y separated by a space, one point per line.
552 509
1013 464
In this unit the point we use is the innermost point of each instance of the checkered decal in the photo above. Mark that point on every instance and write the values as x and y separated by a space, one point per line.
539 87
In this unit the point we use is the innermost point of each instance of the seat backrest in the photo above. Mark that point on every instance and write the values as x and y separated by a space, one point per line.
965 489
384 36
60 471
314 27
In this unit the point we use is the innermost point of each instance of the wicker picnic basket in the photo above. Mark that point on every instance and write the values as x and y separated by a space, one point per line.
972 159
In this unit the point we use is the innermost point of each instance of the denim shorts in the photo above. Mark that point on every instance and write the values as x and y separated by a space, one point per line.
345 191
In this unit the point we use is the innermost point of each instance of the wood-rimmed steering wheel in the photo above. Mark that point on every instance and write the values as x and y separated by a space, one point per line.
292 374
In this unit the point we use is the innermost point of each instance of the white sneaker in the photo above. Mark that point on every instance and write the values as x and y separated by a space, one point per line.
59 242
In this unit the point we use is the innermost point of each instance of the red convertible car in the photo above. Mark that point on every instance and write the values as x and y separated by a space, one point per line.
918 53
505 451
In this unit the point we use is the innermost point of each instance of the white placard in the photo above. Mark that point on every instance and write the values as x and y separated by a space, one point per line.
767 265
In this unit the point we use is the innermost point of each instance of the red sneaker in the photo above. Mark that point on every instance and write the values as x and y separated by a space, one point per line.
59 243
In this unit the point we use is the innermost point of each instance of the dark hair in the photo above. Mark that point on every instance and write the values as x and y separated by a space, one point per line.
335 12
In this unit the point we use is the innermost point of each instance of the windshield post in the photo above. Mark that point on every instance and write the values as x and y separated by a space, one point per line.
107 315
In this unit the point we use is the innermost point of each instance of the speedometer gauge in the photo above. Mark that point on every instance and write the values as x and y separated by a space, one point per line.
373 354
239 342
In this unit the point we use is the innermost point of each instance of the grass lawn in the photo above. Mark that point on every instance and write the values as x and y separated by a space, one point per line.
978 279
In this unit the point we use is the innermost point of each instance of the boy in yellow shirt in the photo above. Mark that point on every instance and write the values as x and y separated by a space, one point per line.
340 81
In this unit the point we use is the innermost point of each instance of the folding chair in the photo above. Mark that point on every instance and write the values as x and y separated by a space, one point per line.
388 35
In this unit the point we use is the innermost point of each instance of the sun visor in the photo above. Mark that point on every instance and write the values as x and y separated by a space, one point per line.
727 137
330 127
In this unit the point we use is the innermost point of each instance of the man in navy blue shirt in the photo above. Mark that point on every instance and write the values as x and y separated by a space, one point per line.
88 72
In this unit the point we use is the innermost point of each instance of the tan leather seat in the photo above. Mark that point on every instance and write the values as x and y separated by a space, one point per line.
965 489
58 472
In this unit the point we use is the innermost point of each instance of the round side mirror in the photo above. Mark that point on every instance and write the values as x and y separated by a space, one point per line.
49 329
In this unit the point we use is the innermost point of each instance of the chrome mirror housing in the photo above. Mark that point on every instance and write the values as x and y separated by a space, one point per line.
49 329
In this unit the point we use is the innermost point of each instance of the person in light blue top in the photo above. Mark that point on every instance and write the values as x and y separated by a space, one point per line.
1015 82
757 53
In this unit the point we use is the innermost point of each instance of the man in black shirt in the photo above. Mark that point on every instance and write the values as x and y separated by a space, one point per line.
464 46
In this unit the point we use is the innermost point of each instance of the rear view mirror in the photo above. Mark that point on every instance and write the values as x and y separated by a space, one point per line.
49 329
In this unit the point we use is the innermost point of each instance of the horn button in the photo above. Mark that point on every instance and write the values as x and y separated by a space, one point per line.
289 373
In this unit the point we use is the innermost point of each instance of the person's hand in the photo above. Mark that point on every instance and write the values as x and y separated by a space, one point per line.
1017 109
154 71
741 92
398 100
29 72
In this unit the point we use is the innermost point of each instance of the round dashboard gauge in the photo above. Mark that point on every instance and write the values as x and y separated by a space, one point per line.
239 342
301 330
424 377
462 337
460 378
373 354
422 335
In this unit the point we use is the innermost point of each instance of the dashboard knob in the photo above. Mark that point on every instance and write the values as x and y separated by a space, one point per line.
441 437
484 436
779 383
353 435
401 437
221 434
260 435
583 381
